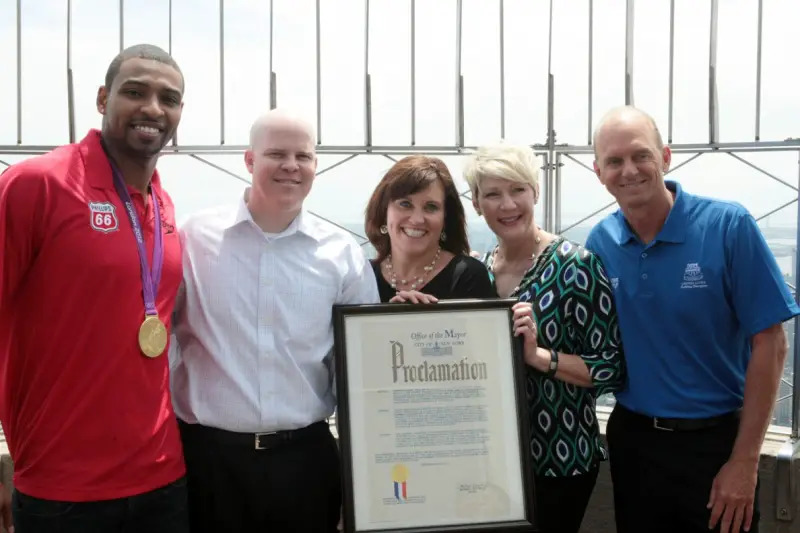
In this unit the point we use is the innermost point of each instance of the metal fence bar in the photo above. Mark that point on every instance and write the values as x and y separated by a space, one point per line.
319 71
338 163
713 102
589 136
748 146
413 72
581 163
676 167
169 50
273 78
758 69
590 215
169 30
459 79
121 25
796 354
367 80
612 204
671 67
221 71
70 81
756 167
629 21
773 211
368 111
764 146
19 71
502 71
557 193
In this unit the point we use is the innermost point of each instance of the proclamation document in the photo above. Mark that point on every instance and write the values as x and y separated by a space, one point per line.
433 419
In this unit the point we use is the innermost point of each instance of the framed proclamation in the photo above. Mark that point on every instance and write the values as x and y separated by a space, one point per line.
432 418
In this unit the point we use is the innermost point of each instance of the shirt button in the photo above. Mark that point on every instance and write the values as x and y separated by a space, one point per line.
644 276
644 254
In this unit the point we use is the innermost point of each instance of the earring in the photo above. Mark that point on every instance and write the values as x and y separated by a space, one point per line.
443 237
384 230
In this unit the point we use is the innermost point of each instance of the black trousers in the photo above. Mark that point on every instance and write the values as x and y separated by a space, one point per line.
662 479
561 501
159 511
293 486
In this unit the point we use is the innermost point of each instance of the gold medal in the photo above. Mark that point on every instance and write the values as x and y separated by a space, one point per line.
152 336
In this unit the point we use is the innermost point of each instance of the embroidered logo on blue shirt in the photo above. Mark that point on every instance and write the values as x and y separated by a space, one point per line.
693 277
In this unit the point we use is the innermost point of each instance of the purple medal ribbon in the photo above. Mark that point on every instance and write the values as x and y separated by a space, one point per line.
150 280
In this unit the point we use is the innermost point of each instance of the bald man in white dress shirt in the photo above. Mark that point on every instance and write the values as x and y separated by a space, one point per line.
252 378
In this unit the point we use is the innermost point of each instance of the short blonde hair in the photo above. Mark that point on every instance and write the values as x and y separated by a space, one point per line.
505 161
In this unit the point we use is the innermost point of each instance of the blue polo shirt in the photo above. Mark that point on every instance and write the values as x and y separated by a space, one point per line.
689 302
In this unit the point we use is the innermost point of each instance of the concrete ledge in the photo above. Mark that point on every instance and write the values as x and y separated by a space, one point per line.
600 513
6 470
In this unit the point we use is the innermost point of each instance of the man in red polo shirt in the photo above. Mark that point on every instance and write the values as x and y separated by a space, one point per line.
90 263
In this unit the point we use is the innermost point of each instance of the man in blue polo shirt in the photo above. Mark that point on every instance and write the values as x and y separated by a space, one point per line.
701 303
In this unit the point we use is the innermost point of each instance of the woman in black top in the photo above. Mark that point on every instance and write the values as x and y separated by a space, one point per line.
415 220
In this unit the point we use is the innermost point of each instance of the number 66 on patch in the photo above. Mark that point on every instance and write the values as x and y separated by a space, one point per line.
103 216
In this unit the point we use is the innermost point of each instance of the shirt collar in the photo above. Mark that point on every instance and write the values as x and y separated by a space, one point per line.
98 167
674 228
303 223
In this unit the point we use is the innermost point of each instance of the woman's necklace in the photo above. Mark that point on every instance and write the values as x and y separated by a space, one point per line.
416 281
532 260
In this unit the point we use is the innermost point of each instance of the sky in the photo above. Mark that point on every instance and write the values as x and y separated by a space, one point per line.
341 193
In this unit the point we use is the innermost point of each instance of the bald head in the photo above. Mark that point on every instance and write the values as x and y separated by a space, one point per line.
626 115
280 121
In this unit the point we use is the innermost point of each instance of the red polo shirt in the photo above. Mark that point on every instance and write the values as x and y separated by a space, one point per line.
86 415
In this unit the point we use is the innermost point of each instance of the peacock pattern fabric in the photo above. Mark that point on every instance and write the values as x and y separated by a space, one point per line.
573 306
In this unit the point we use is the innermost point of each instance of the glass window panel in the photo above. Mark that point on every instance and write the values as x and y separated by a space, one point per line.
780 105
608 71
246 67
651 62
721 176
195 186
570 69
580 232
436 73
44 73
95 42
195 46
526 70
295 56
8 64
342 70
690 113
152 29
581 194
341 194
390 71
481 69
736 69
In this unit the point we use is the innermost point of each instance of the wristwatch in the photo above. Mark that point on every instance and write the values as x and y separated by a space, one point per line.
551 370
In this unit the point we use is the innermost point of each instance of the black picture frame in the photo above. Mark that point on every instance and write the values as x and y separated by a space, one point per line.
341 313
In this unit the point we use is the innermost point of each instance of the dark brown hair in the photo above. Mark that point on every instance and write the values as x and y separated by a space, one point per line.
408 176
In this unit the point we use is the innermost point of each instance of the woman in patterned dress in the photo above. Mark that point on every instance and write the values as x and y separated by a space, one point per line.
576 353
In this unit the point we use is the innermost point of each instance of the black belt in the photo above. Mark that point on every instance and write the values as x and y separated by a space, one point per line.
258 441
676 424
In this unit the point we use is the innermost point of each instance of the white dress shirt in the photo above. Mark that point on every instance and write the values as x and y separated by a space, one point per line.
254 324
